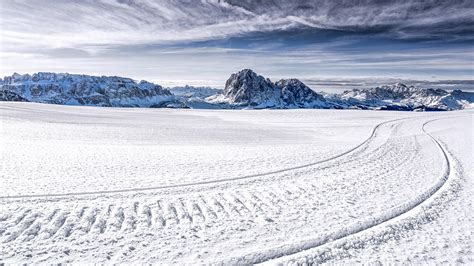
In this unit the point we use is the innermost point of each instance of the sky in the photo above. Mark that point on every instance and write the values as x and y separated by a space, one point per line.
328 44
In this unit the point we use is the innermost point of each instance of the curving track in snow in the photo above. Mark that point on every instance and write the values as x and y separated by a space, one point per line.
207 182
379 220
248 219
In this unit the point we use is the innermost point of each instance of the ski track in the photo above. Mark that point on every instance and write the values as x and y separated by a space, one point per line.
263 198
221 180
374 221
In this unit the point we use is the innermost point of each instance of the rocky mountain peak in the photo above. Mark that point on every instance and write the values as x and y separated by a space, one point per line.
294 92
248 88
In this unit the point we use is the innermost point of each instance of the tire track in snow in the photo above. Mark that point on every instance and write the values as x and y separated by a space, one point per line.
372 222
214 181
247 204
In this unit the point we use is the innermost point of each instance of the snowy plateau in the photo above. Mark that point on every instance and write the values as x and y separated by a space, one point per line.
82 184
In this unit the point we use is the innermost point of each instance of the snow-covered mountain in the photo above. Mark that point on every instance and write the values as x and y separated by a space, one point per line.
248 89
71 89
296 93
402 97
194 92
244 89
195 97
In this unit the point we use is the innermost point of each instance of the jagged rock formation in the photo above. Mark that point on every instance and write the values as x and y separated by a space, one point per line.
296 93
64 88
248 89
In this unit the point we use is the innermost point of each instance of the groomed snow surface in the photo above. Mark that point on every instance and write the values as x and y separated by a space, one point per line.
110 185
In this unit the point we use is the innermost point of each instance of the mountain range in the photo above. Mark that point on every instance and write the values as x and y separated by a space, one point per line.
243 90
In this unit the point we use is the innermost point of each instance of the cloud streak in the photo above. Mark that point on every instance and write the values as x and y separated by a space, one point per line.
60 23
207 40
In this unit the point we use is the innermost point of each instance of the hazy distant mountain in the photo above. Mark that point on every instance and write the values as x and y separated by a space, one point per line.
194 92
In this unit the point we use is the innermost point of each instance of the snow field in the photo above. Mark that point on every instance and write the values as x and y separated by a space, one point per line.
386 175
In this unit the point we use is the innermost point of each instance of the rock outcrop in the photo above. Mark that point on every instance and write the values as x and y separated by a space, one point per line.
248 89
